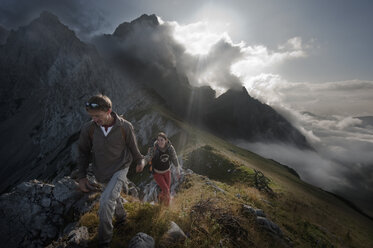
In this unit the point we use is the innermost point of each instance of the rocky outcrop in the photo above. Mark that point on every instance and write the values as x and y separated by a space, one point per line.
73 237
248 210
267 225
35 213
78 237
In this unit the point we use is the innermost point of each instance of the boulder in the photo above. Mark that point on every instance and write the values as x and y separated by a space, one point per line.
174 234
34 213
141 240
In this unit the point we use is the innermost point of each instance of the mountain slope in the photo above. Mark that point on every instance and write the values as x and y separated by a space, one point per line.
306 214
209 203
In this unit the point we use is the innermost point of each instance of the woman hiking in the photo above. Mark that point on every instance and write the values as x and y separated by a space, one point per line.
161 155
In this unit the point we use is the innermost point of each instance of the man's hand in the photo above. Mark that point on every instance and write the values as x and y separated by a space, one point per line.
83 185
140 166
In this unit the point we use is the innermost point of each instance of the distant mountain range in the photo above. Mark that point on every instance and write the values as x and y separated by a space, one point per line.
47 73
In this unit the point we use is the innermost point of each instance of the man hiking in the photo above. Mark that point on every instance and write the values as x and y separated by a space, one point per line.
111 143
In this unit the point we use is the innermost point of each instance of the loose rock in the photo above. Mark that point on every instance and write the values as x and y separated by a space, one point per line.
141 240
246 209
269 226
79 237
175 234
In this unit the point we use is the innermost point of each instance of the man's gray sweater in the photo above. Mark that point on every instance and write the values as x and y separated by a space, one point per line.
110 153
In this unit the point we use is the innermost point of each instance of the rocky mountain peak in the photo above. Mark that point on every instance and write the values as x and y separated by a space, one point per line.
236 95
48 17
50 24
244 90
147 20
241 116
44 33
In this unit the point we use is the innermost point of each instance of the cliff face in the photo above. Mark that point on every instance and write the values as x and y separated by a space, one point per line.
47 74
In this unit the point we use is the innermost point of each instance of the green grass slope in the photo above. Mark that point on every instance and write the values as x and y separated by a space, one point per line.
307 215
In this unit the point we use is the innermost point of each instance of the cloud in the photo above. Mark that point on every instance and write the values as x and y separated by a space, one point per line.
259 59
294 43
311 166
223 64
197 37
339 169
346 98
213 69
348 122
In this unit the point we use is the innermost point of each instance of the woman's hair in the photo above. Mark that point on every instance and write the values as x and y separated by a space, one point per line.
98 102
163 135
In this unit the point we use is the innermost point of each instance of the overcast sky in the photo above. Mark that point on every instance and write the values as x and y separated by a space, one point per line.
310 60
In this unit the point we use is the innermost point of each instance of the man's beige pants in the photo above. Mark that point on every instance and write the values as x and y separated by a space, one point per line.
110 202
